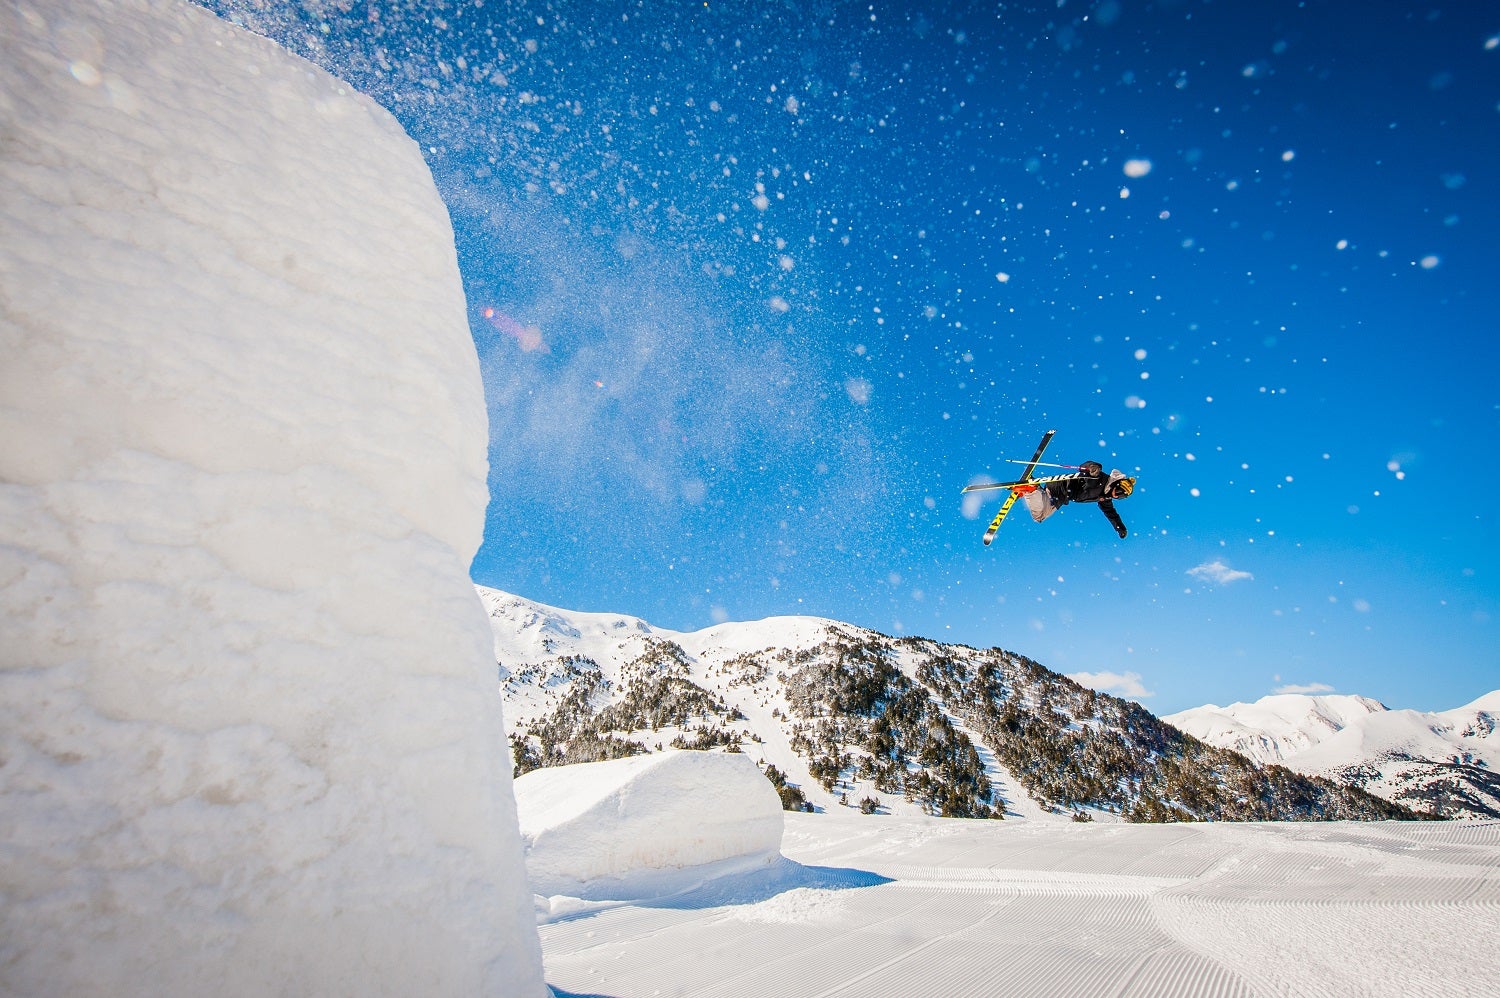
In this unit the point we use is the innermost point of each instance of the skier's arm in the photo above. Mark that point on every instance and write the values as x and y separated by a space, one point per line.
1108 509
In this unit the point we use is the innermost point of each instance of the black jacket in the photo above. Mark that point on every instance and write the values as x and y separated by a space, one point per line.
1088 488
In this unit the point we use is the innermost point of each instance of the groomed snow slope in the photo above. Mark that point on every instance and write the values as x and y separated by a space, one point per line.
249 736
631 828
889 907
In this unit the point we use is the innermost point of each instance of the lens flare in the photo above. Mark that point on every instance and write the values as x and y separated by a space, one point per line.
528 338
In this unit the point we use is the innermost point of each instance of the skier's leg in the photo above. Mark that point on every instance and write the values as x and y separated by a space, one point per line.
1039 505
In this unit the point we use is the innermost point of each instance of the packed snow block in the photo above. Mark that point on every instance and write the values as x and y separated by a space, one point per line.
628 827
250 741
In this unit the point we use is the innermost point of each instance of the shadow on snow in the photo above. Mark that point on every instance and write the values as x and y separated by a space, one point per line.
744 887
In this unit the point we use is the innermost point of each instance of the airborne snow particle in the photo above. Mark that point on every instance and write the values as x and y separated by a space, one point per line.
1003 277
1430 261
1135 168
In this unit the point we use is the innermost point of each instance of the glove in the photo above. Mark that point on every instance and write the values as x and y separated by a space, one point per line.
1121 530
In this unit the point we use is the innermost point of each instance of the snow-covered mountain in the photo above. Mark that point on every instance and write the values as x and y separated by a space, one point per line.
837 715
1275 728
1445 763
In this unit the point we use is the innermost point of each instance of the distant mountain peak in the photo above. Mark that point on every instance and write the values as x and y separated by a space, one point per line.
1446 763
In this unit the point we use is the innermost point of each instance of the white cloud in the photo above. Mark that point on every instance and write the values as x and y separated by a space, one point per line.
1218 573
1126 684
1305 688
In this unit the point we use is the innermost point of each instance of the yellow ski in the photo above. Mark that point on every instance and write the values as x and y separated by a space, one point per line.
1010 500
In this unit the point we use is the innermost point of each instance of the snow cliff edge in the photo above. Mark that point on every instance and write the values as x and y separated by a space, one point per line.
237 379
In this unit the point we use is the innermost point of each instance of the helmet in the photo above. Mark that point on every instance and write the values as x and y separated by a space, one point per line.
1122 488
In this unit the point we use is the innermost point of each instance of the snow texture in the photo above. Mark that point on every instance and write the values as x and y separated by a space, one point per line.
627 827
249 735
889 906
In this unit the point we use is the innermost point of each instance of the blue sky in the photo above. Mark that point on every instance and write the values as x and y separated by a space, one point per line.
758 288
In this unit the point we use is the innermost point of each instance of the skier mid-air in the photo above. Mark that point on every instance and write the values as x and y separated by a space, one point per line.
1089 485
1045 496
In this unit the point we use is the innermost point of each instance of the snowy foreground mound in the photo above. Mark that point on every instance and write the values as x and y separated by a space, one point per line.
646 826
249 737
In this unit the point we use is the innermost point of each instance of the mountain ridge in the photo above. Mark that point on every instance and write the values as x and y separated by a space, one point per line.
838 715
1443 763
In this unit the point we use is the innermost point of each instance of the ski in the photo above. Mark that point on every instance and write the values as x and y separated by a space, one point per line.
1042 464
989 486
1010 500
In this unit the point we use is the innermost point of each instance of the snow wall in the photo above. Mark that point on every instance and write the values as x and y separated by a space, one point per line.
250 739
629 828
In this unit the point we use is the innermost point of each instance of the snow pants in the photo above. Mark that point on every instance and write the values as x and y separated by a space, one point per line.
1039 504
